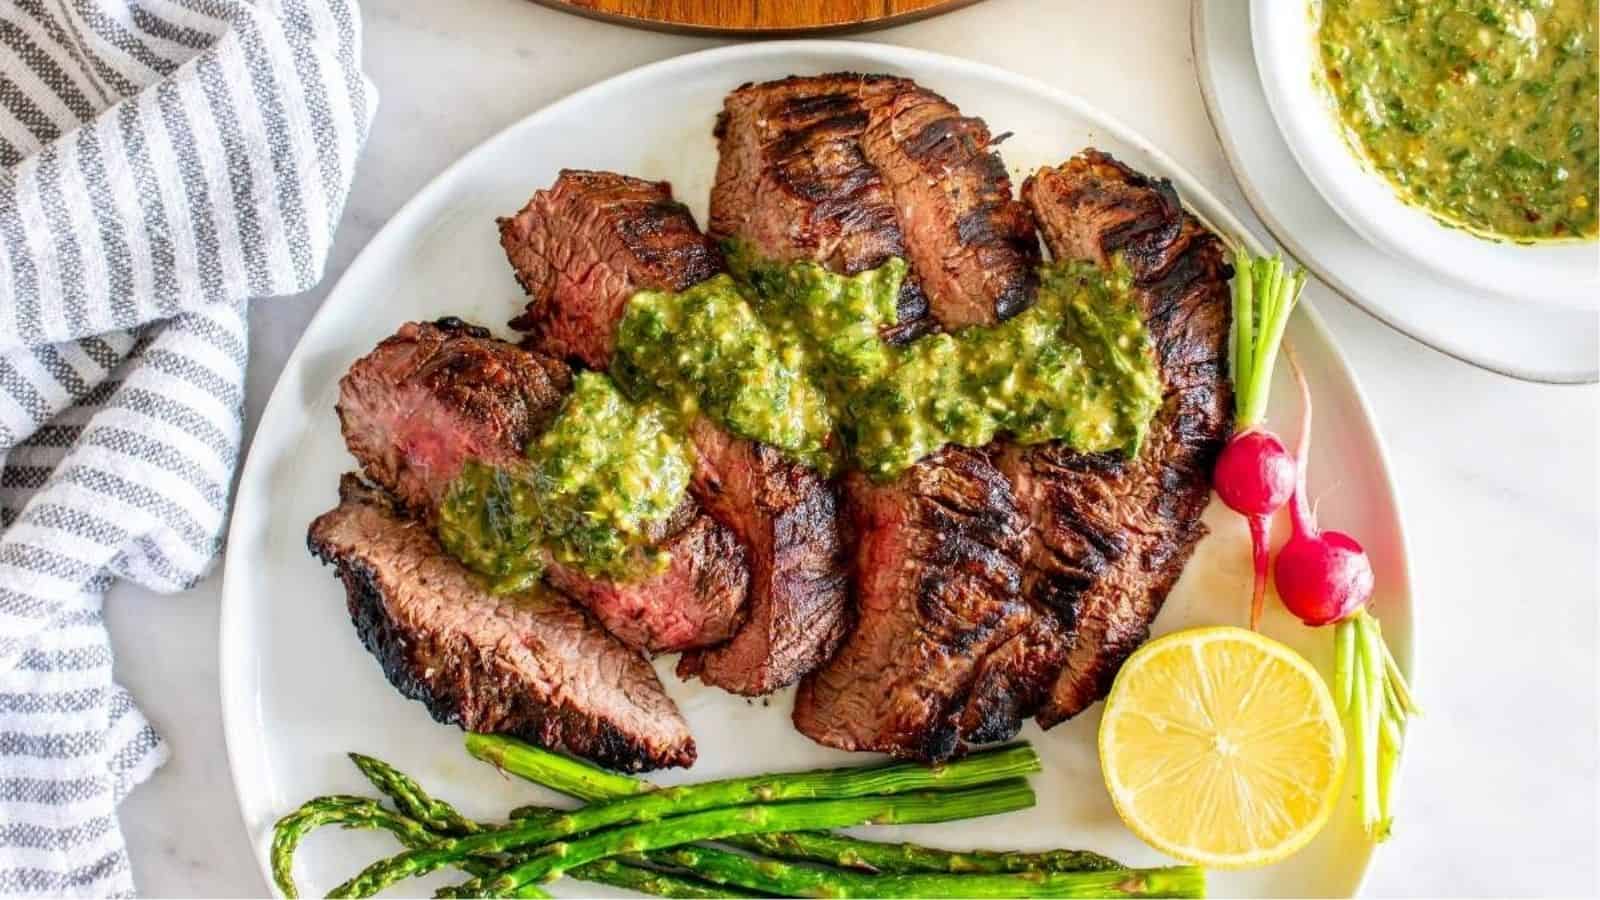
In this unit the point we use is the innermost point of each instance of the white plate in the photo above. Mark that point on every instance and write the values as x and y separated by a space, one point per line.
1530 342
298 690
1284 35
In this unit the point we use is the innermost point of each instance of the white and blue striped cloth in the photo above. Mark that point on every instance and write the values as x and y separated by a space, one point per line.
161 162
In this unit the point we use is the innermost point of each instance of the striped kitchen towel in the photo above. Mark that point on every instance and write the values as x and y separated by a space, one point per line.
161 162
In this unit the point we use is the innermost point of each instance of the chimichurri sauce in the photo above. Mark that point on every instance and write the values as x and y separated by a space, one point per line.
1077 367
604 471
789 354
704 349
1483 112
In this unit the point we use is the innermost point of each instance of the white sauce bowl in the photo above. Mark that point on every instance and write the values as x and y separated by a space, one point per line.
1283 33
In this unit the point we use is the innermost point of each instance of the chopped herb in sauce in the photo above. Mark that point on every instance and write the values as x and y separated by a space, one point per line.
1076 367
704 349
1482 112
789 354
596 479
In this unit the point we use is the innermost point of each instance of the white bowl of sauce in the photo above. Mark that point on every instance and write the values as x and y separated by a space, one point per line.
1458 134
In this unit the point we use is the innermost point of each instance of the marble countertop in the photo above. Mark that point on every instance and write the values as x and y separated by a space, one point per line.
1497 477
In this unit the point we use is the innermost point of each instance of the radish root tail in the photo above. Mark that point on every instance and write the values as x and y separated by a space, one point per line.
1258 547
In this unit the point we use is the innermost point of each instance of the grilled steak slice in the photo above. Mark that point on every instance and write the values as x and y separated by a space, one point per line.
850 169
527 664
583 247
972 244
1111 535
788 519
793 179
782 512
434 395
938 567
698 601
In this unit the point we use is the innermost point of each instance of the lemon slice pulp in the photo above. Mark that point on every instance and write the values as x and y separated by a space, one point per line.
1222 747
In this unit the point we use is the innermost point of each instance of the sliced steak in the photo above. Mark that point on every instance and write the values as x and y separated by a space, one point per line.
788 519
527 664
435 395
584 246
793 179
848 170
1111 535
782 512
793 182
938 567
972 244
698 601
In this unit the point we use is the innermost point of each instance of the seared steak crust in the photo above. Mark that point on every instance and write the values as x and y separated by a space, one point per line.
938 568
1111 535
782 512
614 235
434 395
793 179
972 244
527 664
849 169
787 517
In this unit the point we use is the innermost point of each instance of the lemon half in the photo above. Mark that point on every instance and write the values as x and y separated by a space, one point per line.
1222 747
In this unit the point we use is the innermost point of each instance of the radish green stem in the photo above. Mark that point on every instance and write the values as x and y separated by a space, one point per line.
1244 314
1372 683
1372 694
1344 649
1263 297
1357 716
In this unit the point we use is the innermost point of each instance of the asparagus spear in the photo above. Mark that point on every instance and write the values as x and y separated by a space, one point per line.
874 856
411 799
783 879
590 783
361 812
349 812
715 824
980 768
572 777
443 820
654 881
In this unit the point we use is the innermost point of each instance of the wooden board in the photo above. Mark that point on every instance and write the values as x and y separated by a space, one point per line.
756 16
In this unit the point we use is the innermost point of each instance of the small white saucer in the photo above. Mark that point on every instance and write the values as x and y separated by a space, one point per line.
1533 343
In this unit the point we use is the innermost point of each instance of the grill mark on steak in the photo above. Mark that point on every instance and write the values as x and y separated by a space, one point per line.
972 244
434 395
793 179
782 512
937 576
526 664
1112 535
788 519
791 155
616 235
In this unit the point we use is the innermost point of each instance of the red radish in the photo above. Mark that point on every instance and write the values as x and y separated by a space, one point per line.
1322 576
1255 475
